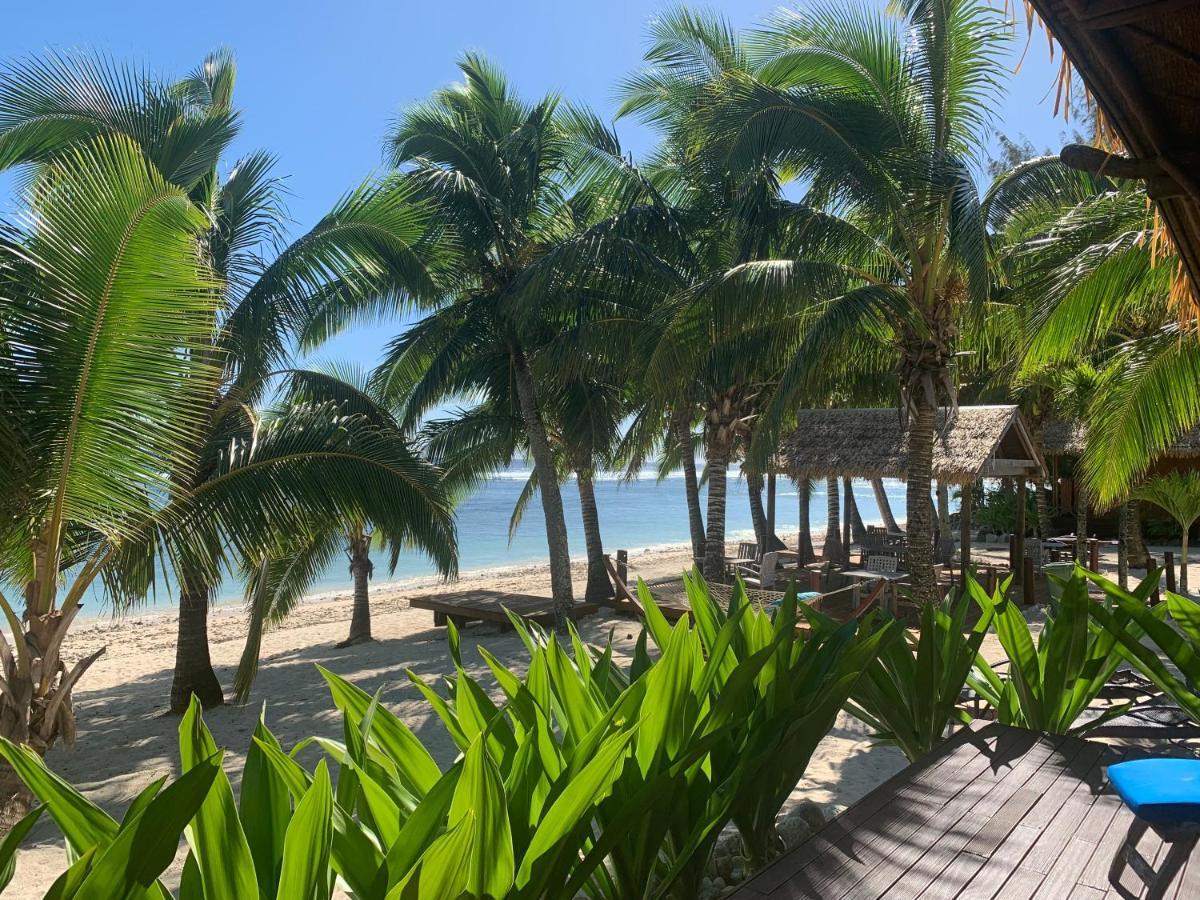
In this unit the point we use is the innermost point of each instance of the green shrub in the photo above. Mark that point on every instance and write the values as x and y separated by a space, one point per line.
912 689
589 776
1051 682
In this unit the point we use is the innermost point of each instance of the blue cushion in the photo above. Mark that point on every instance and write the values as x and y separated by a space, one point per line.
1160 791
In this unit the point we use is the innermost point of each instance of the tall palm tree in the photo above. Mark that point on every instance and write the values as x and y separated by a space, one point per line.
885 505
371 248
492 167
107 307
881 120
833 549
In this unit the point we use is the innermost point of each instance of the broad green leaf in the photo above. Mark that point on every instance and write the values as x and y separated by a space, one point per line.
480 795
264 809
215 833
12 840
305 874
146 844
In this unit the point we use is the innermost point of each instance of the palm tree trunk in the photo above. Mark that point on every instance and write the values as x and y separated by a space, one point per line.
754 489
714 541
361 570
1081 524
945 543
547 476
193 667
857 529
804 488
1043 510
691 485
1183 562
832 550
885 505
1139 555
919 548
1123 545
847 499
599 588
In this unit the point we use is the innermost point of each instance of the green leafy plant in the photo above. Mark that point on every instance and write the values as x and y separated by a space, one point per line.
1173 630
1052 681
589 777
911 691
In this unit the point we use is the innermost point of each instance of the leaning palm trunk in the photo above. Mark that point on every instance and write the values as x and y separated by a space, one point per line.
806 544
857 529
547 477
919 548
945 544
885 506
714 542
1139 555
193 667
832 550
1081 523
758 516
361 570
598 586
691 486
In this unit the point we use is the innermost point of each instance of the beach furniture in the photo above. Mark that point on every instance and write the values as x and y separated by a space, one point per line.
1163 794
483 605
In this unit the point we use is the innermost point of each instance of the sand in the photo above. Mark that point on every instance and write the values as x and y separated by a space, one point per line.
126 740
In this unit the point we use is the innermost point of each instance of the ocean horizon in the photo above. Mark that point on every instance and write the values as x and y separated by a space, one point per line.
635 514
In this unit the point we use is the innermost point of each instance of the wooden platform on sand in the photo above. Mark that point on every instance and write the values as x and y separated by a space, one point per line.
483 605
994 812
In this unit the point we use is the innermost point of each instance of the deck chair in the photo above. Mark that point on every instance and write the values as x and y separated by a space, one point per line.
625 598
762 575
1163 794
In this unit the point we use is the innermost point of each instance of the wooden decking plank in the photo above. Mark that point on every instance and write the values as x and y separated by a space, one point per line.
1003 855
958 751
868 846
1095 873
1061 828
1083 892
1022 885
1065 872
955 818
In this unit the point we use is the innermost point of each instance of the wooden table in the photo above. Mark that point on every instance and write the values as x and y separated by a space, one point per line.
892 578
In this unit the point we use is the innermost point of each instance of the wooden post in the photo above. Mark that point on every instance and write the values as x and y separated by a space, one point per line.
991 580
770 511
1028 585
1012 549
964 529
623 566
1019 535
1169 565
1154 573
1094 555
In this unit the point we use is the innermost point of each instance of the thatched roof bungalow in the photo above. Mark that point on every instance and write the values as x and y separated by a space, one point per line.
980 442
1068 439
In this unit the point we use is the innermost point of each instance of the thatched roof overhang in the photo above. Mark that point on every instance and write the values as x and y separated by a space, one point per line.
1141 61
1070 439
979 442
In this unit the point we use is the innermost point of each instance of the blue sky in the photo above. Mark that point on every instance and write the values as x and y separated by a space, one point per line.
319 82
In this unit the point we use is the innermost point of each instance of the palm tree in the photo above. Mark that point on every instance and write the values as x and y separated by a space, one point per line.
371 248
421 497
107 308
1178 495
880 119
493 169
833 549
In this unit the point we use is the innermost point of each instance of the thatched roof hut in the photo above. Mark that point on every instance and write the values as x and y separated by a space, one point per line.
1141 59
980 442
1070 438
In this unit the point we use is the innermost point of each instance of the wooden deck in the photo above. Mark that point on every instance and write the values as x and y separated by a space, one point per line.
995 812
463 607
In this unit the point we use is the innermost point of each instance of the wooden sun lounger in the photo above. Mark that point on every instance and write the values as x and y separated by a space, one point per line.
627 598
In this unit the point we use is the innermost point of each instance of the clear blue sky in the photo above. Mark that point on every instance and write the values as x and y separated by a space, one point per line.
319 81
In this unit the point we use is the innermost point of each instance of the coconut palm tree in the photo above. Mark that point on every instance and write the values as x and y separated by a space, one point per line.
1178 495
276 581
880 119
107 307
492 167
885 505
369 249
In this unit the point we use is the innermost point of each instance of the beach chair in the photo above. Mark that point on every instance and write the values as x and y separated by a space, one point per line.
1163 794
761 575
624 597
